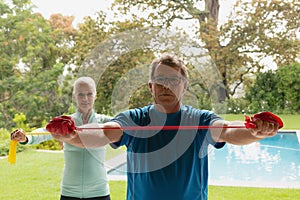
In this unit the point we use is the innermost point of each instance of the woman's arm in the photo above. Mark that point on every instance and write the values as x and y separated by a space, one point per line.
93 135
20 136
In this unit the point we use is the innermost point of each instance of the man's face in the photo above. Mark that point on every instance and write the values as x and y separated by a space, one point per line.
167 88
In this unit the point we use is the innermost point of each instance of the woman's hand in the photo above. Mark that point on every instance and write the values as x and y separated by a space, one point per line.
65 137
62 125
18 135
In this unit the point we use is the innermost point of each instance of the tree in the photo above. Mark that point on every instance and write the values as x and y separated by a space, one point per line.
276 91
100 52
33 56
289 85
264 94
90 33
256 30
118 52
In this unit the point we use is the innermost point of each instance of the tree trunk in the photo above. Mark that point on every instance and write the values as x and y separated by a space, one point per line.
209 27
213 7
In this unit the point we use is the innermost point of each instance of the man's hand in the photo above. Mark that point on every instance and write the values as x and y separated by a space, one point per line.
263 124
264 129
260 126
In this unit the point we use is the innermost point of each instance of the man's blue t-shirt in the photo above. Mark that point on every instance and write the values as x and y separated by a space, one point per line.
167 164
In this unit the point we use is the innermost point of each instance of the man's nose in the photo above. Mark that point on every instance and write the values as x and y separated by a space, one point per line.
166 84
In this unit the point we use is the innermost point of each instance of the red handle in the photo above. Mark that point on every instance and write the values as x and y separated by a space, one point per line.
62 125
265 116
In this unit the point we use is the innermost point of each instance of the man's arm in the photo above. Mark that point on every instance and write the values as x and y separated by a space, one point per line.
243 136
99 136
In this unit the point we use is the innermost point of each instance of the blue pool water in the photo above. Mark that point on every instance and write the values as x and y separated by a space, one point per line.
270 162
273 161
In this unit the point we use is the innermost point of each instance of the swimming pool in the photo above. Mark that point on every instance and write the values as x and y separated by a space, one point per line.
272 162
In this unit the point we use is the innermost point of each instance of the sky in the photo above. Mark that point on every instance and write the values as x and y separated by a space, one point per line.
81 8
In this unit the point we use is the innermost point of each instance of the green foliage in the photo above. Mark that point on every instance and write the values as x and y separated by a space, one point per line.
237 46
289 86
107 85
72 108
20 120
264 94
277 91
142 97
49 145
88 36
94 45
237 106
33 52
4 145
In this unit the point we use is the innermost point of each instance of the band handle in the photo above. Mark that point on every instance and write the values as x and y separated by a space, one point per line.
265 116
12 154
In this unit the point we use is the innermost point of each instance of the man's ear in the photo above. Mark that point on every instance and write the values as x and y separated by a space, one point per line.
186 84
150 84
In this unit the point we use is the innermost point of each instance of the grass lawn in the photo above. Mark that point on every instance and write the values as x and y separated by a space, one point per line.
37 175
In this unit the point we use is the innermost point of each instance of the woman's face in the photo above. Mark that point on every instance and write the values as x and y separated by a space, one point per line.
85 97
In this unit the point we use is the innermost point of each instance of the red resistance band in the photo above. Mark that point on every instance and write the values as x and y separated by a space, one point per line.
64 125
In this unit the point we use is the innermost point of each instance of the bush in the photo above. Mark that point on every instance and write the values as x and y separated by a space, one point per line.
49 145
237 106
277 91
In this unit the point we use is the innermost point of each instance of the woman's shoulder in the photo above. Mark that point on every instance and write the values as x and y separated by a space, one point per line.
102 117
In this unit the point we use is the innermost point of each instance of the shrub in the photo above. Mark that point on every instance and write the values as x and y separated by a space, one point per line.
49 145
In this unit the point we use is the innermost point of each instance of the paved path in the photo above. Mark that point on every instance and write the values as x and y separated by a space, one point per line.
115 162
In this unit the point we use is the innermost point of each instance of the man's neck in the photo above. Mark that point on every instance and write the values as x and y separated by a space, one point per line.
167 109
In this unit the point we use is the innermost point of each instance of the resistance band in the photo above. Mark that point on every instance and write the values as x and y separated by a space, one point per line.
66 125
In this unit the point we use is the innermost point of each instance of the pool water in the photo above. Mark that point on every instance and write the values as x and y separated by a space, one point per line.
273 162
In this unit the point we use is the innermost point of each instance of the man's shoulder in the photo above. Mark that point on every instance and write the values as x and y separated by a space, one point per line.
139 110
192 110
139 115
